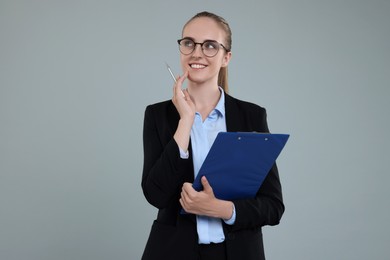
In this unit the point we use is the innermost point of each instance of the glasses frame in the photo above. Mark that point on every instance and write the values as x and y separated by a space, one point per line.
201 46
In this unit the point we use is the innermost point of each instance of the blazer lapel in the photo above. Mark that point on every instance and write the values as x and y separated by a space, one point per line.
233 119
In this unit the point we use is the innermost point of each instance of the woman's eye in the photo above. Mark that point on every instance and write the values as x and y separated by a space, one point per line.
210 45
188 43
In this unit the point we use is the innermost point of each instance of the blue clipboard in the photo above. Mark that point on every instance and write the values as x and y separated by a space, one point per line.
238 163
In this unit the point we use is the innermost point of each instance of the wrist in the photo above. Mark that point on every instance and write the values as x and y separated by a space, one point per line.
229 211
187 121
225 210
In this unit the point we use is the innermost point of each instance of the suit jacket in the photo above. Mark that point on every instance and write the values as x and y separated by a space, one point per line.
173 236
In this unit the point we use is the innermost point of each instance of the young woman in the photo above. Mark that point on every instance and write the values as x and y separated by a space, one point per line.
177 136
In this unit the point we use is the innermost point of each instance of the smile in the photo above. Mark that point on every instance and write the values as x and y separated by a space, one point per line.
197 66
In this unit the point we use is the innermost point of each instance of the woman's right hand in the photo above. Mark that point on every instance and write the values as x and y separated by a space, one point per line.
186 108
182 100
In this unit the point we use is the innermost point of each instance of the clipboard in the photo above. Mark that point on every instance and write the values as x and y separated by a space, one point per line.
238 163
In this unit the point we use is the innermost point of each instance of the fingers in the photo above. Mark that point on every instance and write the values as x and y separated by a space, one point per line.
186 190
185 196
186 94
181 79
179 82
206 185
194 201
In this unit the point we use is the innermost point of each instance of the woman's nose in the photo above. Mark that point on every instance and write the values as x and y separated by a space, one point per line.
197 51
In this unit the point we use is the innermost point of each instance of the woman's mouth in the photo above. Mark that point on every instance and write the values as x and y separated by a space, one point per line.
197 66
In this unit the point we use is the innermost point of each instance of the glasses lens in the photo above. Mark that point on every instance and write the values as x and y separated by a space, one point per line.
210 48
186 46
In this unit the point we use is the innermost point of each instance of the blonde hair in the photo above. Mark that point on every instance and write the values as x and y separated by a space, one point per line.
223 72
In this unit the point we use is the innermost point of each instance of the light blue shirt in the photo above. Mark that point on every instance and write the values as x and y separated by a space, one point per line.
203 134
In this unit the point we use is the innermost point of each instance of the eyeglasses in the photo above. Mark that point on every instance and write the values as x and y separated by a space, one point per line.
209 48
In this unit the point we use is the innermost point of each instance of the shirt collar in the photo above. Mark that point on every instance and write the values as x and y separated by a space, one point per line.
220 107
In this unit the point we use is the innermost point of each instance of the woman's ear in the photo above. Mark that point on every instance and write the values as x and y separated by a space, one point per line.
226 59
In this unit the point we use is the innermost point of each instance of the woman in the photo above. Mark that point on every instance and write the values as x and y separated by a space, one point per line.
178 134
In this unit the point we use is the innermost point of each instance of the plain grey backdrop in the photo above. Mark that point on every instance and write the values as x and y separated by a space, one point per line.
76 76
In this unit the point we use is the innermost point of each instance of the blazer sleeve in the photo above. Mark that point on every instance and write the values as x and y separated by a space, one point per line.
267 207
163 171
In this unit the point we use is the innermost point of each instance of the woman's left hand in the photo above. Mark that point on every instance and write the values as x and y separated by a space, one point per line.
204 202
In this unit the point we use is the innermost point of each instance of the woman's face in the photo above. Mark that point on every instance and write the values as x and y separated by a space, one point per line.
203 69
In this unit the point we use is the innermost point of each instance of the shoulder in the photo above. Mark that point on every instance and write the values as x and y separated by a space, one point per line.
159 105
162 113
161 108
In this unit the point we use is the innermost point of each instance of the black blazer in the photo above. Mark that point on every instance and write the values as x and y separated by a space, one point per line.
173 235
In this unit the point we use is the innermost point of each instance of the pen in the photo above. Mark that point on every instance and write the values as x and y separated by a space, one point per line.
173 76
170 71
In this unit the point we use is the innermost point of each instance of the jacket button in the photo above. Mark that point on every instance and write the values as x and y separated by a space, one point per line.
231 236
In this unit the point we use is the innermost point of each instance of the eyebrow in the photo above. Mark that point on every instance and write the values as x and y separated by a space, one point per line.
190 38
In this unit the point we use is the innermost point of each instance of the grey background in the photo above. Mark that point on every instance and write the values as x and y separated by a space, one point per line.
75 77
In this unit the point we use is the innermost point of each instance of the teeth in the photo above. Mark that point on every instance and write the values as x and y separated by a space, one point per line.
197 66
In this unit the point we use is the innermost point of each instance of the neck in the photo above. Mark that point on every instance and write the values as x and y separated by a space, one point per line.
204 93
205 97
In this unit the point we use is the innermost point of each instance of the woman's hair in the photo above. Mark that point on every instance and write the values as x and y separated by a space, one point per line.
223 72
